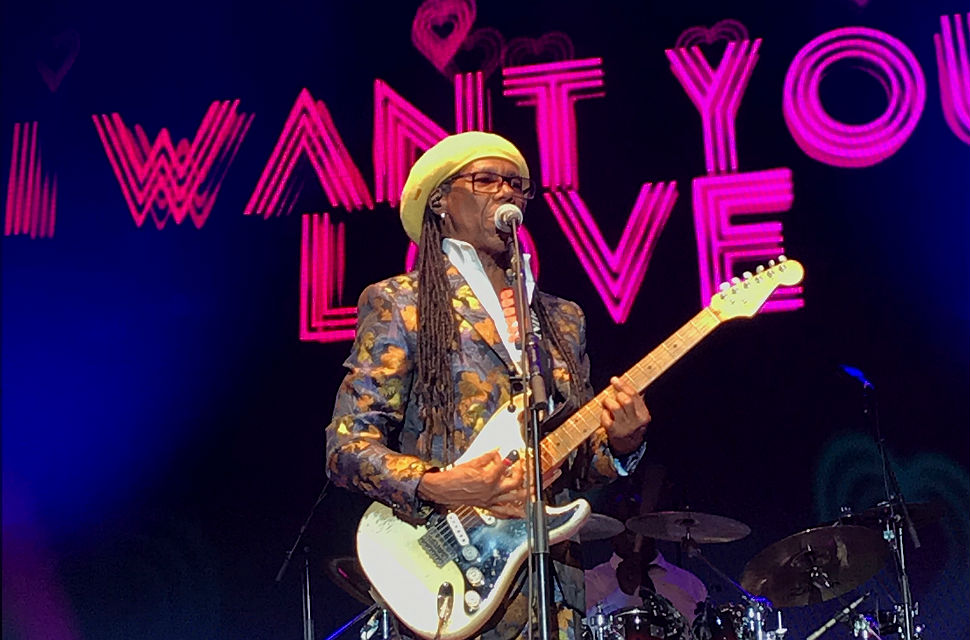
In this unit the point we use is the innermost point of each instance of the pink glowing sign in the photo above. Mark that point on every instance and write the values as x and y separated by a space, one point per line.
549 47
616 274
439 28
31 192
309 132
717 94
553 89
953 66
401 133
473 103
726 30
180 180
322 259
61 52
726 247
844 145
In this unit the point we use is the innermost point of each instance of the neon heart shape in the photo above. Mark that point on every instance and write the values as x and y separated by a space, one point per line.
483 50
550 47
439 28
65 46
725 30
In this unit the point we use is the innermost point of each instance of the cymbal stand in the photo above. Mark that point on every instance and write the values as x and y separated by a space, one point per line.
757 609
360 616
894 526
305 591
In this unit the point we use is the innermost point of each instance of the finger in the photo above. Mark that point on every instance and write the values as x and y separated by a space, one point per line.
606 419
509 510
512 481
623 385
611 403
623 399
487 458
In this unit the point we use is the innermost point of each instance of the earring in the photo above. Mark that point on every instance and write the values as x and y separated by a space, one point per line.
442 215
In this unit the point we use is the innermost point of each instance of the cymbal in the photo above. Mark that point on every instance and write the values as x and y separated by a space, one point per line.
346 573
675 526
922 513
600 527
815 565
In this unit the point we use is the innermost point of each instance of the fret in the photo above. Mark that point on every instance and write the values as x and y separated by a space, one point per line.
581 425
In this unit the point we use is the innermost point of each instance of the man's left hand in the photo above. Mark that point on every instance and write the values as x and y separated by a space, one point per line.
625 417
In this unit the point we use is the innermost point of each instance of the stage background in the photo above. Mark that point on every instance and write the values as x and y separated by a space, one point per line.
163 423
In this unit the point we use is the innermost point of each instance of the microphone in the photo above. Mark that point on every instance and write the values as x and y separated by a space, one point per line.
858 375
506 215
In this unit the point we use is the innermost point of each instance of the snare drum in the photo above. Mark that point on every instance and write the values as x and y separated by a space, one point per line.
657 619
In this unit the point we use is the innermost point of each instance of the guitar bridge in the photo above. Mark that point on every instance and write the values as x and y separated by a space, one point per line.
436 545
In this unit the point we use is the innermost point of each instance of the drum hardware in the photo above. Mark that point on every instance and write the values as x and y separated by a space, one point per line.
893 514
675 526
750 621
815 565
346 573
600 626
308 631
656 619
884 513
600 527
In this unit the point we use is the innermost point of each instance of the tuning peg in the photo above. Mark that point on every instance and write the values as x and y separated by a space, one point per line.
760 268
735 280
771 263
746 275
725 286
782 258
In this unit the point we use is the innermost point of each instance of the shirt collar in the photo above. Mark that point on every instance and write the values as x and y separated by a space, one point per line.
465 257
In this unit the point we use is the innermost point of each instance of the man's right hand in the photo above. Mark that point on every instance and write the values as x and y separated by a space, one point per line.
486 481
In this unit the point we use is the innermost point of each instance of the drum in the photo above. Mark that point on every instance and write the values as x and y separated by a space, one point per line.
724 622
657 619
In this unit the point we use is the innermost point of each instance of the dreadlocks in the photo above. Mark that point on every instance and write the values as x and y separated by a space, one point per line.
434 387
577 385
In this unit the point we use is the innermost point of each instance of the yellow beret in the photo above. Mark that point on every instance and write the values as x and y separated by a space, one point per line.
445 159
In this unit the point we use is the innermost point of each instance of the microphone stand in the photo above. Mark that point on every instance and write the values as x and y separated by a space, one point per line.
305 592
537 404
895 525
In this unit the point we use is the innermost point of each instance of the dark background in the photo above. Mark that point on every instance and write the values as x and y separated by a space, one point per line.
163 423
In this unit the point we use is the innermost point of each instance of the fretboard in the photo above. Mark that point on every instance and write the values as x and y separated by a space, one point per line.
560 443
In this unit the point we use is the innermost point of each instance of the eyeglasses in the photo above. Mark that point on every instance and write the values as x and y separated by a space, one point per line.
489 182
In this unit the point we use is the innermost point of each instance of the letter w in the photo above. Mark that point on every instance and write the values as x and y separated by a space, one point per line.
173 180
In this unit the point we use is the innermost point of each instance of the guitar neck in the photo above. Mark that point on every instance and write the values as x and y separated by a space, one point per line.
560 443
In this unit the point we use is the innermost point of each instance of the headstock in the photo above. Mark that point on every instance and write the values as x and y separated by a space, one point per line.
742 297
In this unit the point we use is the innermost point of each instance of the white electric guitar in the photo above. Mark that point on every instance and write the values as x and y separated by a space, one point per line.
445 579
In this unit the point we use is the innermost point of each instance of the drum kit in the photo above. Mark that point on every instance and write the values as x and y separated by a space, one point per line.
813 566
810 567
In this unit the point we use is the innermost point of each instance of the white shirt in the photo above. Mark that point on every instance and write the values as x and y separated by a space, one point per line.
681 587
469 265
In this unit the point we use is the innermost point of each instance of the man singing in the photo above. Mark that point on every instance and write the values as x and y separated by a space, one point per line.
434 358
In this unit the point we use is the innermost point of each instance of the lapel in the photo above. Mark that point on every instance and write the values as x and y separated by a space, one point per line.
475 323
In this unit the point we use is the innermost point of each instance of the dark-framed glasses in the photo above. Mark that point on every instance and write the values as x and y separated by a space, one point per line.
490 182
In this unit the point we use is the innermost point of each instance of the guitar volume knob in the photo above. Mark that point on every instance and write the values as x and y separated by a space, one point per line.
472 600
475 576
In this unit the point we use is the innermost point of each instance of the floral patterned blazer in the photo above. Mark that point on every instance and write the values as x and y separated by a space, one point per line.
376 432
